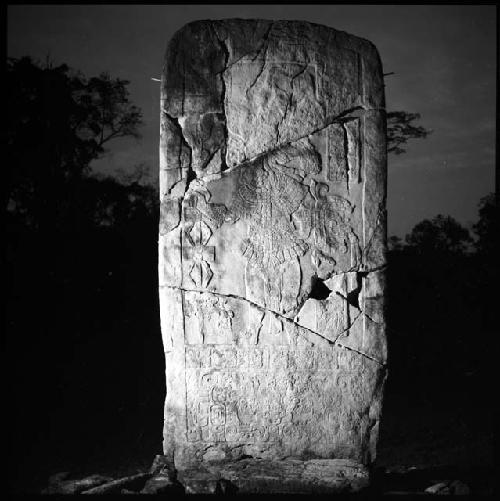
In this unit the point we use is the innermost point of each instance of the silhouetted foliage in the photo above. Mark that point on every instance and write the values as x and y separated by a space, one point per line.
394 243
488 228
442 234
400 128
58 123
440 299
81 255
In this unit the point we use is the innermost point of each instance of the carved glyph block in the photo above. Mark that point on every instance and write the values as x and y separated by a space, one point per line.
272 242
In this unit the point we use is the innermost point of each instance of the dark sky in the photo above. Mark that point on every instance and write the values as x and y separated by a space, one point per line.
444 59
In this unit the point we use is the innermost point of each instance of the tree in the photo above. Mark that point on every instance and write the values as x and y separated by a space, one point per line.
81 256
400 128
488 228
441 235
58 123
395 243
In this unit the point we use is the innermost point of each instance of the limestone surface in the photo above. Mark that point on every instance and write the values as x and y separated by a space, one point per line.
272 243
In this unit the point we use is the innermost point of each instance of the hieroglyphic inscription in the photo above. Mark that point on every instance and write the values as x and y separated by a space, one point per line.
353 138
343 152
208 319
336 154
262 394
229 357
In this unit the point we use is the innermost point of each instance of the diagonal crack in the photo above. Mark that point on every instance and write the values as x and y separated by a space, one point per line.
300 72
211 156
258 74
265 45
315 337
336 119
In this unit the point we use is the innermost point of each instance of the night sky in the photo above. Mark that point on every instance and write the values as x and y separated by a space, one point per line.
444 59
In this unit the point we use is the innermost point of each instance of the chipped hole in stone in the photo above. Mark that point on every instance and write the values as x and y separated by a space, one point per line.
191 176
353 296
318 289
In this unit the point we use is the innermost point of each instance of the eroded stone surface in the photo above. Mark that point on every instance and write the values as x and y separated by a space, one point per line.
272 242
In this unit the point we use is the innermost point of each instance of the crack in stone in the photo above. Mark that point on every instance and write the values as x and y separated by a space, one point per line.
337 119
290 97
302 70
172 188
348 328
209 159
190 174
295 311
372 320
257 335
299 308
359 352
265 44
225 50
288 105
317 336
382 267
264 38
258 74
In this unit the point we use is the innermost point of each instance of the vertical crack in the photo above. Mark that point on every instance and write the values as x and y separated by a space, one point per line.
289 102
225 50
264 60
353 296
183 145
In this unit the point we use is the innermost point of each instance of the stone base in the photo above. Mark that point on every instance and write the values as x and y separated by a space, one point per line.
290 476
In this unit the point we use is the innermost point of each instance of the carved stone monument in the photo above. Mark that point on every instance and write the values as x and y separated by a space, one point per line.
272 248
